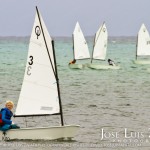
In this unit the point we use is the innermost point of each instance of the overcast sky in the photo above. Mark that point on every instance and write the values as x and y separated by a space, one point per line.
122 17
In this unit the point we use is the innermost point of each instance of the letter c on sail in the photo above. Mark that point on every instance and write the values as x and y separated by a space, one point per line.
28 70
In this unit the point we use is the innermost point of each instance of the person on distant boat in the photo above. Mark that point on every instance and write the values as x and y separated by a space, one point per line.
5 119
111 62
72 62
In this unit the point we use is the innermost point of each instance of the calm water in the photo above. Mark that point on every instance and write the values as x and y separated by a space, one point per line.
110 100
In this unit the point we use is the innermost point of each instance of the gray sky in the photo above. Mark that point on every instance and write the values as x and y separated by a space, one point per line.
122 17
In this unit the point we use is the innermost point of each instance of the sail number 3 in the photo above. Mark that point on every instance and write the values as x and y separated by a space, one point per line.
30 62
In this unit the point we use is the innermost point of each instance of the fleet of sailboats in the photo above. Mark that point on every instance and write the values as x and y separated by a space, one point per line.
143 46
81 51
40 93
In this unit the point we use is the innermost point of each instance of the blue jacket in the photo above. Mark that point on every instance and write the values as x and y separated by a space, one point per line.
6 115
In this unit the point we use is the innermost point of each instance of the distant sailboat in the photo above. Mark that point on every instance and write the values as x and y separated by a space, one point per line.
80 47
40 94
143 46
100 49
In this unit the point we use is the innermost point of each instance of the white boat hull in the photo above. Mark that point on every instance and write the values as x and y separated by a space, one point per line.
43 133
142 62
103 67
76 66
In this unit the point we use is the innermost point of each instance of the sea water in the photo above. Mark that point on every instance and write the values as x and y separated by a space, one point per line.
111 106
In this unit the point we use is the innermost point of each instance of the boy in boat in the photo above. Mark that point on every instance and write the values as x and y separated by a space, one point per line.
6 114
72 62
111 62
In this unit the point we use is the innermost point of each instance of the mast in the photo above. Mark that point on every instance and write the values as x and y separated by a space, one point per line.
96 40
136 47
54 71
93 49
58 89
73 46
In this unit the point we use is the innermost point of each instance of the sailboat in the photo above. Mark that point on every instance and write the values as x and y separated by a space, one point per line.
80 47
40 93
100 49
143 46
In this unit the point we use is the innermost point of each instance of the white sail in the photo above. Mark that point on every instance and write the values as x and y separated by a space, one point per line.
39 94
100 43
81 50
143 45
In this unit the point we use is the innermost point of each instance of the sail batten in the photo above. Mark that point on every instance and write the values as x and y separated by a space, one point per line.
39 93
100 43
81 50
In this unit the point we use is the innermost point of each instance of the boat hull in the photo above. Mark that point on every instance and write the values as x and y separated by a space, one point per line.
43 133
142 62
76 66
102 67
